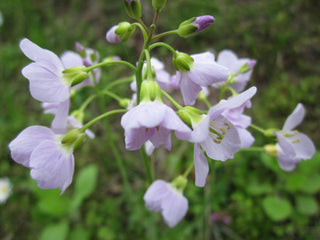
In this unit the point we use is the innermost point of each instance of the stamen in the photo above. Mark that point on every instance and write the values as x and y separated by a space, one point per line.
147 129
227 124
290 134
220 136
296 140
158 128
224 131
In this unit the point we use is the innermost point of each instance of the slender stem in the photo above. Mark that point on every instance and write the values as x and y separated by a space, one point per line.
205 100
143 29
88 69
113 95
253 149
190 167
104 115
162 44
259 129
164 34
149 67
146 164
143 25
139 75
86 102
177 105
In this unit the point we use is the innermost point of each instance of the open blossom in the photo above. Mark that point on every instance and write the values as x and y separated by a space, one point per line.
5 189
204 71
162 196
40 149
230 60
151 120
216 135
293 146
45 75
241 122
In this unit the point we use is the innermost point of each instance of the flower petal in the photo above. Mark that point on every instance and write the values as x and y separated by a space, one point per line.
189 89
136 137
295 118
22 146
154 195
201 166
51 166
59 123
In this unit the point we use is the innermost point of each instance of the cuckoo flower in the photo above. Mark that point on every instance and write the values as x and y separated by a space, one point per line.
293 146
167 198
47 154
45 74
194 25
241 122
214 133
151 120
230 60
111 36
196 71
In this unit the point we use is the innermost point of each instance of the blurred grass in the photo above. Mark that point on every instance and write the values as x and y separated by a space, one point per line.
283 35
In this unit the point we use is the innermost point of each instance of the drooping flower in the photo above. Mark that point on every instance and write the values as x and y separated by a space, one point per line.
213 132
111 36
5 189
241 122
165 197
196 71
151 120
45 74
120 32
293 146
47 154
230 60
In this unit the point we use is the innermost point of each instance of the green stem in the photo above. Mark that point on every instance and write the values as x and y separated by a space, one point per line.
146 164
104 115
149 67
119 81
143 29
139 75
161 44
113 95
88 69
143 25
164 34
177 105
259 129
86 102
190 167
253 149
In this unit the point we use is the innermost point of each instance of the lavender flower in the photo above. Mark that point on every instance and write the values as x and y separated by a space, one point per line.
201 72
51 161
194 25
45 74
151 120
161 196
230 60
214 133
293 146
111 36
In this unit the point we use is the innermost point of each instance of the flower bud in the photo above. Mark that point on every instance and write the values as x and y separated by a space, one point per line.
133 8
194 25
120 32
271 150
150 91
75 75
182 62
179 183
158 5
71 137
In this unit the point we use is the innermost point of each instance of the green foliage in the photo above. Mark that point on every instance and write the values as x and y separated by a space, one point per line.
276 208
57 231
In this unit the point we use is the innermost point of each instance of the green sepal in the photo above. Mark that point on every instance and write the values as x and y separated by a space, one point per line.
182 61
150 91
158 5
190 116
133 8
124 30
187 29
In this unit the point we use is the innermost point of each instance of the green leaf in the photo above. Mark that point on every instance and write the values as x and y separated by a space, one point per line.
255 188
79 233
294 181
311 184
276 208
306 205
55 232
52 203
85 184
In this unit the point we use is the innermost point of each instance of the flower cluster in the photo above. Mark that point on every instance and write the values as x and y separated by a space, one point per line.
216 133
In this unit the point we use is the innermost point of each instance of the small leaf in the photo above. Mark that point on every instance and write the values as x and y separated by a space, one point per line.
276 208
294 181
55 232
79 233
311 184
306 205
255 188
85 184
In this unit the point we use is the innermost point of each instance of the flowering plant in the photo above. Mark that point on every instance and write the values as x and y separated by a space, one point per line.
217 132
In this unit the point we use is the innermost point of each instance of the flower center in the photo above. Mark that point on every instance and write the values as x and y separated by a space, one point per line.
218 130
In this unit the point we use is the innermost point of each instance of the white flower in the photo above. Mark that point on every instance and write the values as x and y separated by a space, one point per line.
5 189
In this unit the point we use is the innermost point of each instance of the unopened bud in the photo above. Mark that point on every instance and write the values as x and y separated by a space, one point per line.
179 183
182 61
271 150
158 5
150 91
111 36
194 25
75 75
124 30
133 8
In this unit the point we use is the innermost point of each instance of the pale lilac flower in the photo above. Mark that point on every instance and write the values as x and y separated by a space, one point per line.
216 135
204 72
149 147
203 22
44 74
41 150
161 196
194 25
5 189
230 60
111 36
293 146
152 121
241 122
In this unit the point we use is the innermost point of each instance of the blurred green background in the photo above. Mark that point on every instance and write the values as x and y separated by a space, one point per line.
262 201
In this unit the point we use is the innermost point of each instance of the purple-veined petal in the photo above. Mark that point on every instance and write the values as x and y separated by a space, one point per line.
246 137
136 137
189 89
154 195
295 118
174 207
22 146
52 166
161 137
201 166
286 147
59 123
